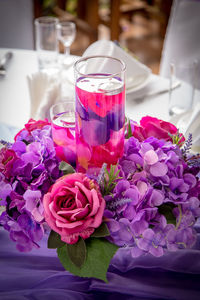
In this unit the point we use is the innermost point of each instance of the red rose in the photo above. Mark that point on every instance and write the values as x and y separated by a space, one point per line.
32 125
159 129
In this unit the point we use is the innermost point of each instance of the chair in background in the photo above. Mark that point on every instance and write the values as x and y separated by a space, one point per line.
16 24
182 42
92 13
86 18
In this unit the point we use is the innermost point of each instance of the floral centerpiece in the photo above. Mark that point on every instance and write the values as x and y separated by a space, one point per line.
147 203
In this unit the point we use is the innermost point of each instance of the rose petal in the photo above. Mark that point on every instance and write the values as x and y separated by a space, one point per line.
68 225
85 191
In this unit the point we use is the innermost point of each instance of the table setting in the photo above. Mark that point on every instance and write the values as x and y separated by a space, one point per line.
99 179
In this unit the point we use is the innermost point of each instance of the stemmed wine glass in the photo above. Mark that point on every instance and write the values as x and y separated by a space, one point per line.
66 34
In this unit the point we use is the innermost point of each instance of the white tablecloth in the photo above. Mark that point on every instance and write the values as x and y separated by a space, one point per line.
15 98
14 93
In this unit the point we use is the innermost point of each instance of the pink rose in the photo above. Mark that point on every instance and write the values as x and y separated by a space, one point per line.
32 125
159 129
74 207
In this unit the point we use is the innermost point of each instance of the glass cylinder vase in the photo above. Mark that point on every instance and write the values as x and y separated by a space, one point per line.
100 111
62 116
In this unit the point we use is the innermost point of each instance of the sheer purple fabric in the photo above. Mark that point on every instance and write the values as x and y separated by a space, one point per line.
38 275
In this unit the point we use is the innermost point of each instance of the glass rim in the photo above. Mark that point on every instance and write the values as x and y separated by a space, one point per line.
182 65
67 22
60 103
100 76
46 20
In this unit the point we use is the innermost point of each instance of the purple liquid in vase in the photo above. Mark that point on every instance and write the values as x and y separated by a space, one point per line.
100 119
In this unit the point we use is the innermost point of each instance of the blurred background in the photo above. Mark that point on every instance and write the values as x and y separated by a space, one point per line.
137 25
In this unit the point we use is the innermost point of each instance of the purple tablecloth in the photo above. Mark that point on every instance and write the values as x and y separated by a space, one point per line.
38 275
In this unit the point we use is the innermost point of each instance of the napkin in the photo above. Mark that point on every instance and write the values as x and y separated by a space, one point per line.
45 90
189 122
136 72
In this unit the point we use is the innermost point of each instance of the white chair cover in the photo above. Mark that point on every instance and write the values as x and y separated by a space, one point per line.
182 40
16 24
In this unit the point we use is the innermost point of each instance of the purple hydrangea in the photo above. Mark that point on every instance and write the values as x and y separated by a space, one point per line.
154 206
24 180
151 204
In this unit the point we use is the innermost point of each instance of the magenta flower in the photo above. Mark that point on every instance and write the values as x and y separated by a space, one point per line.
74 207
153 127
32 125
7 159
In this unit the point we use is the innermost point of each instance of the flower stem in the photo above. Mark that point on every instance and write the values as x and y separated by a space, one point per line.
180 217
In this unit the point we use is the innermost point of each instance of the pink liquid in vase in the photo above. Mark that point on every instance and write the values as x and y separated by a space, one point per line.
100 119
63 132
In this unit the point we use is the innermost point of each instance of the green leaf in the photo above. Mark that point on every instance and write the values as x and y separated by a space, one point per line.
77 252
54 240
129 129
66 168
101 231
110 180
99 254
166 210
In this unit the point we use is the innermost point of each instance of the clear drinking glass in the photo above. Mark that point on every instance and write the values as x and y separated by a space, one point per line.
100 111
66 34
181 98
47 43
62 116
